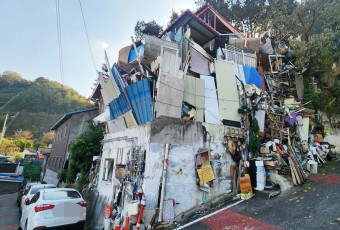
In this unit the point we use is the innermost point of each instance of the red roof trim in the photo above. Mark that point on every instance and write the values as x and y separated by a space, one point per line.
227 24
194 16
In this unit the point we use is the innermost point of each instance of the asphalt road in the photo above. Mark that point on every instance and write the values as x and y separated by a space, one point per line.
9 212
315 205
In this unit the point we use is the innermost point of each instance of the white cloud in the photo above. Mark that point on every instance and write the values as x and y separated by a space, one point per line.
102 44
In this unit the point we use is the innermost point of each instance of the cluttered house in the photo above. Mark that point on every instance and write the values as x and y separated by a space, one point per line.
194 115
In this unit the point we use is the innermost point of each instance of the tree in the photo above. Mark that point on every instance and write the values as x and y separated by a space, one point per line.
173 16
23 134
22 143
150 28
11 79
82 150
48 137
8 147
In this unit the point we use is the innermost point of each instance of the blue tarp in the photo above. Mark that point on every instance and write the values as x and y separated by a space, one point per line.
252 76
139 95
132 54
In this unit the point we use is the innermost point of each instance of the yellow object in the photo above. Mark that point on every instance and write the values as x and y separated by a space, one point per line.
206 174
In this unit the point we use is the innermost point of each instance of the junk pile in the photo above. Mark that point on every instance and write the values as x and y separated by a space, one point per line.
195 72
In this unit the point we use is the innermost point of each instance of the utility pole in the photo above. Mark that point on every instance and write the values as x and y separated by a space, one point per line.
3 129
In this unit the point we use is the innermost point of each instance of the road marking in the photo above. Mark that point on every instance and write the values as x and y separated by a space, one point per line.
229 220
327 178
207 216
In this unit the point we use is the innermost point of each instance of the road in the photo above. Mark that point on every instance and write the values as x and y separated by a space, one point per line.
315 205
9 212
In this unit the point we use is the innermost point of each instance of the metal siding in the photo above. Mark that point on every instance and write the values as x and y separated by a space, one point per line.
118 107
140 97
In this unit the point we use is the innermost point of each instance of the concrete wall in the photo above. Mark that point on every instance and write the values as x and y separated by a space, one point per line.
186 138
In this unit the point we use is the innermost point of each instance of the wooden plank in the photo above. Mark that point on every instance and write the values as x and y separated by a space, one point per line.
294 173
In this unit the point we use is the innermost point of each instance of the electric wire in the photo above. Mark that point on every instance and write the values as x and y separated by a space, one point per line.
61 65
61 61
87 36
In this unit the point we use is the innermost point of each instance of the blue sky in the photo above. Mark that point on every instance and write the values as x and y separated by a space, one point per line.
29 40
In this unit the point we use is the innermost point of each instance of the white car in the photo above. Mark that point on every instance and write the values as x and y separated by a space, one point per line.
59 208
24 189
33 189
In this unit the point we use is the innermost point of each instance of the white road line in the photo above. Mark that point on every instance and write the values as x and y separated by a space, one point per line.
211 214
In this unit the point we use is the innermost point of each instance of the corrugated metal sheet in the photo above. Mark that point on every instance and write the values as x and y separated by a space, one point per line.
139 95
117 76
118 107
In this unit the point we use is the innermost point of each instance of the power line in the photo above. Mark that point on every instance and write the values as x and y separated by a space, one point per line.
61 65
61 61
87 36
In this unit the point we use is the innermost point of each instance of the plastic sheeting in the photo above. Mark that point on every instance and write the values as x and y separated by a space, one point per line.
133 56
252 76
198 63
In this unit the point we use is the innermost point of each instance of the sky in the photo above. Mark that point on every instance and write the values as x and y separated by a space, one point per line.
29 37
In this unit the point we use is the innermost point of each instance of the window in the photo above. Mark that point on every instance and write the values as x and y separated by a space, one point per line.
35 198
34 190
108 169
61 195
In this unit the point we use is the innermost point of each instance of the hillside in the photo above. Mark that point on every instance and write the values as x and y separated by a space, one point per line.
35 105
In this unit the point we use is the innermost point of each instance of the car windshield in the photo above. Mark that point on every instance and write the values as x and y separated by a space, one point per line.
61 195
34 190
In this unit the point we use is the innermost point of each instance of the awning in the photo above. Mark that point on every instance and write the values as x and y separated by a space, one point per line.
102 117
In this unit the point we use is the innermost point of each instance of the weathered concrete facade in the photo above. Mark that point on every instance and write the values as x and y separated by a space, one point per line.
186 138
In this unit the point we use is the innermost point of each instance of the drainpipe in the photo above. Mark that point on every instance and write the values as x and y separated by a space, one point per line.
165 165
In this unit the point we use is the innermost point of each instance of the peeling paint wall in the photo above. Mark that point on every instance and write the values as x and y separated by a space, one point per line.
186 138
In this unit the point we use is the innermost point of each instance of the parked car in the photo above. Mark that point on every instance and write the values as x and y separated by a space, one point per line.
59 208
23 188
27 196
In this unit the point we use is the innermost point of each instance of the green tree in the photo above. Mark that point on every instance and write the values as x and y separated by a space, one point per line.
150 28
82 150
173 16
10 79
22 143
8 147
